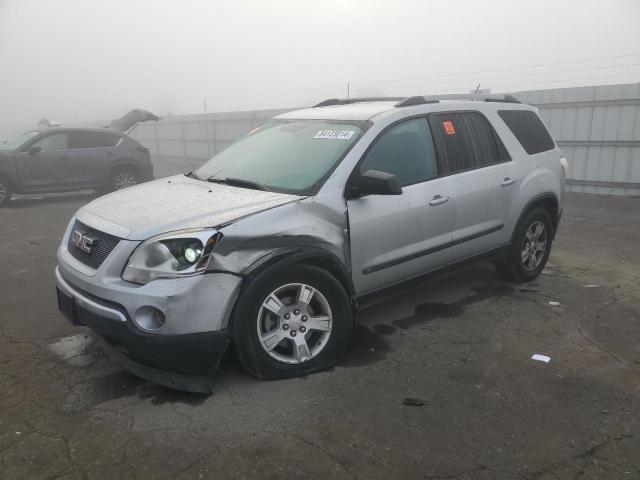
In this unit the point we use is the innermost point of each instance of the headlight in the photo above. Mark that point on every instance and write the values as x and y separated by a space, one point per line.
176 254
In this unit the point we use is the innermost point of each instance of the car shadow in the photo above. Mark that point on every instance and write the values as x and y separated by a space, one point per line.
26 201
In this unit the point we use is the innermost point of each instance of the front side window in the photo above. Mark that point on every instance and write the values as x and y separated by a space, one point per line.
405 150
55 141
17 143
291 157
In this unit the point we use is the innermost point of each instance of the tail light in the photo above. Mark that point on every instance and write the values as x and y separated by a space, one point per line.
565 166
142 149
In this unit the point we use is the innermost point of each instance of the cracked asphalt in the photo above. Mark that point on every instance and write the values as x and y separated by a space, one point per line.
461 346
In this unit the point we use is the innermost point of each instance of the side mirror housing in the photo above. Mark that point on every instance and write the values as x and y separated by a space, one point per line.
375 182
34 150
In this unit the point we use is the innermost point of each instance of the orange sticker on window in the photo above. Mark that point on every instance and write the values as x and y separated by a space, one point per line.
448 128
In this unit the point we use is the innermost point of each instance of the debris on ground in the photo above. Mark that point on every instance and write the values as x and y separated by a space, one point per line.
540 358
555 304
413 402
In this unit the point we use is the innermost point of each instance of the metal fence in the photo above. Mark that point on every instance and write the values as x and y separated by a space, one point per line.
182 143
598 129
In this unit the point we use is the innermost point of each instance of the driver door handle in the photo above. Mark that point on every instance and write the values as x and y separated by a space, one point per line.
438 200
507 181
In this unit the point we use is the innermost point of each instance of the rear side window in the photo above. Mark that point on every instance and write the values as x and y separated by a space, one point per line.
92 139
466 140
484 140
405 150
527 127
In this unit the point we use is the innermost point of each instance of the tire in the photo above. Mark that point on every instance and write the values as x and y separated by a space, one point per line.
5 192
270 345
527 256
123 177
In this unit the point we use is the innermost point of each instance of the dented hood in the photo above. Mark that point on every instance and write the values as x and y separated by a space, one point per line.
174 203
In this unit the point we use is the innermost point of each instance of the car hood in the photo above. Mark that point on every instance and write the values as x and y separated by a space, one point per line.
174 203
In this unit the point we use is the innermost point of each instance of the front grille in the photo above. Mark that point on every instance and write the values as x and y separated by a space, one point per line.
103 245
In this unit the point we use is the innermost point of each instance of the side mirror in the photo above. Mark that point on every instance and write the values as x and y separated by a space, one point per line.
374 182
34 150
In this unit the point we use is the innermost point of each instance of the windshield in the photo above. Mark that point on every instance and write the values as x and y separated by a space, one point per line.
288 157
16 143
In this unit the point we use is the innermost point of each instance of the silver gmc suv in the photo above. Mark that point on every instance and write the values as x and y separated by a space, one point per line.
273 243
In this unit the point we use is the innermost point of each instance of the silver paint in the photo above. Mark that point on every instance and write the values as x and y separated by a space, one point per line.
259 227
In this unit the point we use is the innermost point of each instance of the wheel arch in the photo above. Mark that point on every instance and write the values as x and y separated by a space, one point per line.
312 256
9 181
547 201
120 163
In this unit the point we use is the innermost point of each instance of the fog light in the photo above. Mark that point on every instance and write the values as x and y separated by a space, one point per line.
149 318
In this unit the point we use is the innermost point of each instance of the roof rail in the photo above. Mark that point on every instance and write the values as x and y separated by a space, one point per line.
473 96
421 100
346 101
410 101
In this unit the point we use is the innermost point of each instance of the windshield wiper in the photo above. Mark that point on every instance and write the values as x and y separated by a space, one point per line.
239 182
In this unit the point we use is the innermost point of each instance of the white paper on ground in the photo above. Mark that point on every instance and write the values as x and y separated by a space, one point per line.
541 358
555 304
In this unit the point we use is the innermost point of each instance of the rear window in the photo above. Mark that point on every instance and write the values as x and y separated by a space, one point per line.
92 139
528 129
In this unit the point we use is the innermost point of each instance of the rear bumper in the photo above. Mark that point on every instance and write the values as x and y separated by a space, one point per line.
182 361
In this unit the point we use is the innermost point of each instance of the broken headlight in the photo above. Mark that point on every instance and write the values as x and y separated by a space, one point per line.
171 255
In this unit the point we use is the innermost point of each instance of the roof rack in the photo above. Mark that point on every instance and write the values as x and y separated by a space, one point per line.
421 100
346 101
458 96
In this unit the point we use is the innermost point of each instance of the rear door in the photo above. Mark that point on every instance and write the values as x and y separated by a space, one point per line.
484 179
396 237
92 154
51 168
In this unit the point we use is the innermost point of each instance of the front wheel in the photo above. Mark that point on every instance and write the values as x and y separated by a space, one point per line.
5 192
292 321
530 248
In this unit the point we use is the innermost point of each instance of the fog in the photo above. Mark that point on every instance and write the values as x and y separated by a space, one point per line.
76 61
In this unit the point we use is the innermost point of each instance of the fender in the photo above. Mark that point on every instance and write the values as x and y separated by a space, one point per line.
310 255
121 162
9 171
541 198
316 256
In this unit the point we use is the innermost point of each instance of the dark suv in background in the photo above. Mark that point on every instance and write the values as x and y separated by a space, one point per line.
66 159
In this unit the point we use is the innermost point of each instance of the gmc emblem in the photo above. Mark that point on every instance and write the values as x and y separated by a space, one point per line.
83 242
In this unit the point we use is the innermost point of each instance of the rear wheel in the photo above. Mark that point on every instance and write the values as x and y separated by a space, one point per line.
5 192
530 248
292 321
123 177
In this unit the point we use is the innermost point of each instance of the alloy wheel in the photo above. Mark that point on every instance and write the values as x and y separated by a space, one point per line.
534 246
294 323
124 180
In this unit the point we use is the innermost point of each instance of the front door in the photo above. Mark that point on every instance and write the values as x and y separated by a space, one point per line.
396 237
52 168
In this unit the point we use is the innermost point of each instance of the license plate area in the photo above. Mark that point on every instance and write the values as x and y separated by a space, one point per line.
67 306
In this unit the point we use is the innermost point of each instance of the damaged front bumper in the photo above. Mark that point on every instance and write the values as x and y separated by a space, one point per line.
183 361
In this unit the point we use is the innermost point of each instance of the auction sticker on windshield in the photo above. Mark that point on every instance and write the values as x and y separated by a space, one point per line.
335 134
